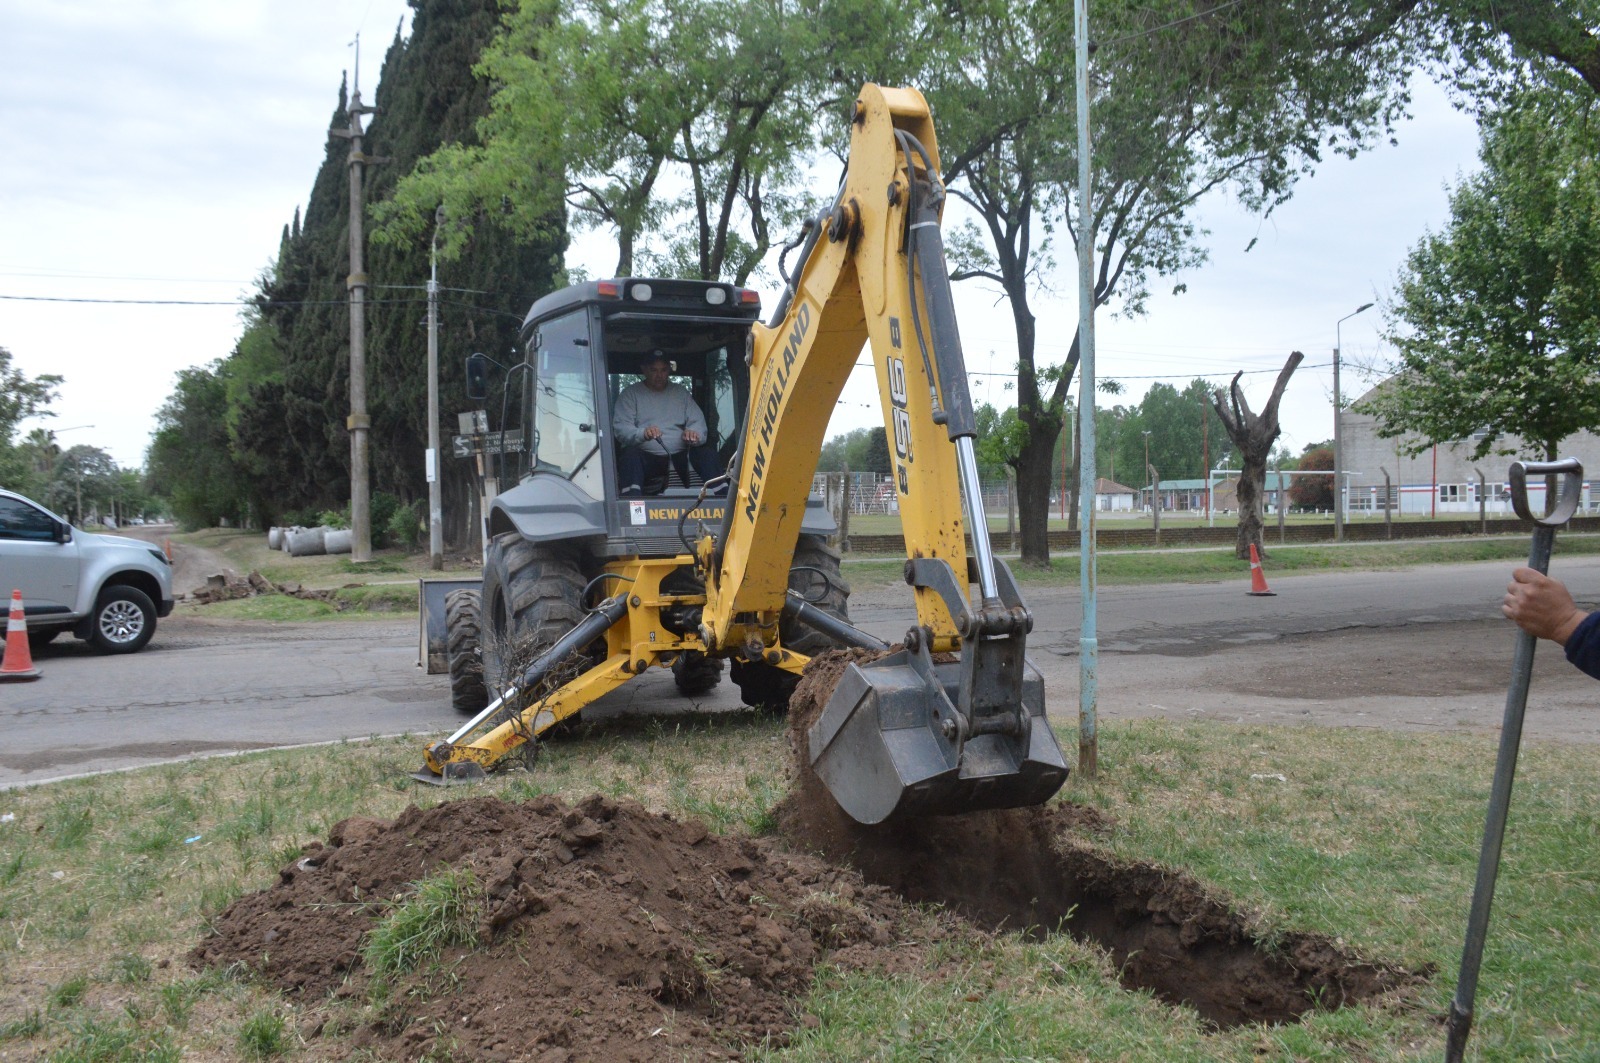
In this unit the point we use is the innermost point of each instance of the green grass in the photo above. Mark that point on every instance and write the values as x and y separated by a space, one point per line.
441 911
1371 837
364 592
1149 565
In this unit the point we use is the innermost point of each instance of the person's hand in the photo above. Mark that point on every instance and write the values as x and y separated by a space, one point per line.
691 437
652 432
1541 606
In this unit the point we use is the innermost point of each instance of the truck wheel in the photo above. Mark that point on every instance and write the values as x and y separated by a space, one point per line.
696 674
532 595
816 574
468 695
124 619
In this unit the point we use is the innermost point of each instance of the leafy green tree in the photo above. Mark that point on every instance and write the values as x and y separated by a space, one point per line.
862 450
680 127
21 397
1183 104
1496 320
1184 432
188 458
1000 434
1313 492
84 481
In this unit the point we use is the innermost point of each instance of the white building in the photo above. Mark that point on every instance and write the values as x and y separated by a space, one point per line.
1443 479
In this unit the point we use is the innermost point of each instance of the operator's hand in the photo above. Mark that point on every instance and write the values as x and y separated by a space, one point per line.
652 432
1541 606
691 437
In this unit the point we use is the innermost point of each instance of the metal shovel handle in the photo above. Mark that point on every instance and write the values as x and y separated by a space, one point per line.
1459 1021
1570 470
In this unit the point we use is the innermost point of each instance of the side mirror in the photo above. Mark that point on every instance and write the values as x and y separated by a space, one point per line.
63 532
477 376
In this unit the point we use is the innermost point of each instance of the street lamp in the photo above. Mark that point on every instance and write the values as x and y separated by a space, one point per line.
1338 450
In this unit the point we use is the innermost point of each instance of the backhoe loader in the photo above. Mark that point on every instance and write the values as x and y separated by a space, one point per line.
694 573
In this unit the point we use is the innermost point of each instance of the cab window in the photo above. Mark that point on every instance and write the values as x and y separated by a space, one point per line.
565 436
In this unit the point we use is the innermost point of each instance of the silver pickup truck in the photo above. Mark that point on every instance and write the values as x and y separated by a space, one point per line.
105 589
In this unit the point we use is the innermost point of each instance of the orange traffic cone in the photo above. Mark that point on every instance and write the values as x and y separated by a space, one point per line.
1258 581
18 663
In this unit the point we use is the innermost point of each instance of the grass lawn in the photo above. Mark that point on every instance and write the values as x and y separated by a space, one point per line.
1368 836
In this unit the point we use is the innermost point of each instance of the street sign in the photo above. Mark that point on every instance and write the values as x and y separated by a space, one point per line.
461 446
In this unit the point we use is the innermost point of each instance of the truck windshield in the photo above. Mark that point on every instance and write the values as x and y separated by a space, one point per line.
565 436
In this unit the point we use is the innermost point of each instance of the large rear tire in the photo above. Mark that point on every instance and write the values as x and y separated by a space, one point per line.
462 624
532 595
816 575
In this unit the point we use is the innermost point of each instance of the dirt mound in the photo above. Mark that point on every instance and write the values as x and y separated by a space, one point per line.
1030 870
609 933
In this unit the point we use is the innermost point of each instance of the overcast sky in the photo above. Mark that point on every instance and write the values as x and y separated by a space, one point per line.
155 151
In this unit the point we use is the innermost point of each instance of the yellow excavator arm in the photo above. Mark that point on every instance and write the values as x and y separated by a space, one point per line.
905 734
853 284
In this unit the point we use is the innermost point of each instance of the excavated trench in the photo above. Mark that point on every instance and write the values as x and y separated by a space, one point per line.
1029 870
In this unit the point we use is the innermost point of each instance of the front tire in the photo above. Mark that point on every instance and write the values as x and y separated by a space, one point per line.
462 624
696 674
124 620
532 595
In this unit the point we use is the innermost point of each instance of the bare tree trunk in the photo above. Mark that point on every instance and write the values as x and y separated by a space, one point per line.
1033 467
1254 435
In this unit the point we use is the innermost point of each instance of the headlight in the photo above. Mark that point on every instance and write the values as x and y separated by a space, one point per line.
159 556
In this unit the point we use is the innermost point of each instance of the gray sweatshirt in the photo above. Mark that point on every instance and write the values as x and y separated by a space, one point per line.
670 409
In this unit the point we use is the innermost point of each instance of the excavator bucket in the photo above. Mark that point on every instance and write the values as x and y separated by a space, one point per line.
891 742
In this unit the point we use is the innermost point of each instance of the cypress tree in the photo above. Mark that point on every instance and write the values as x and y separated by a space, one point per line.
427 96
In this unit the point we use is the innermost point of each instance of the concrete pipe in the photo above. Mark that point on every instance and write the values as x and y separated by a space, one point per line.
306 542
336 541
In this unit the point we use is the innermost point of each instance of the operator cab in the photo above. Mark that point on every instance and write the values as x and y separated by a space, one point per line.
585 344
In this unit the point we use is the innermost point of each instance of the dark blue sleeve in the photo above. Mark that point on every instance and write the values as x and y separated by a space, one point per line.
1583 647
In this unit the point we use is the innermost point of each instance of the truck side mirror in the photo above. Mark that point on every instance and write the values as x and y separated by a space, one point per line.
477 376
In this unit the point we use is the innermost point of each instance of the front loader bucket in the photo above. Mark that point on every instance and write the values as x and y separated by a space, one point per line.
888 743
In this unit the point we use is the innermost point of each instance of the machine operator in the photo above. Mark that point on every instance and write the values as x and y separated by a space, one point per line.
657 423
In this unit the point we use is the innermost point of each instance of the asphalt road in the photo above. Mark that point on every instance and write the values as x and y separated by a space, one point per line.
1423 648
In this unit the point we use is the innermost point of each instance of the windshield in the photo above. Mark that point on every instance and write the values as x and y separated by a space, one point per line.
564 437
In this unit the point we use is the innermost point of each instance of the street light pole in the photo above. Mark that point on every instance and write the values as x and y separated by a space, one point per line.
435 502
1338 449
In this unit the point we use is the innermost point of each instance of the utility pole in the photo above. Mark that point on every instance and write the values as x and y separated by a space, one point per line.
359 423
435 506
1338 449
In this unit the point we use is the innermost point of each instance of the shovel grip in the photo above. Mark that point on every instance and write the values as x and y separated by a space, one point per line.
1570 471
